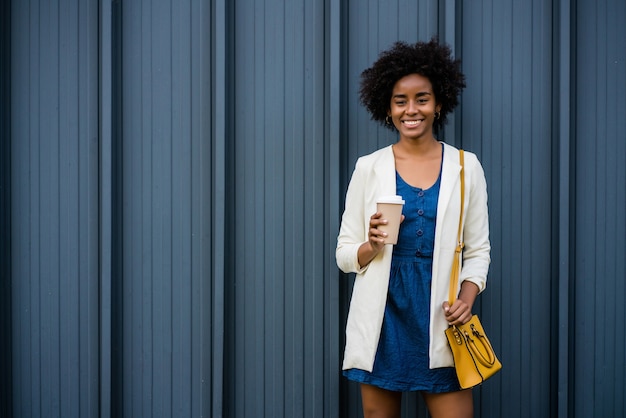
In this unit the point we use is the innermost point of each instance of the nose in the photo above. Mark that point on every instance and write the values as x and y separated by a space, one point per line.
412 107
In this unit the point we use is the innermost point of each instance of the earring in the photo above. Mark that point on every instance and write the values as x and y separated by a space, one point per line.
437 115
387 120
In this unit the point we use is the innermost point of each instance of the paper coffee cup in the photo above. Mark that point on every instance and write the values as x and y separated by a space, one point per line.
391 208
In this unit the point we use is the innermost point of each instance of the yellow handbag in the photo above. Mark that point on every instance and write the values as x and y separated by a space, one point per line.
474 358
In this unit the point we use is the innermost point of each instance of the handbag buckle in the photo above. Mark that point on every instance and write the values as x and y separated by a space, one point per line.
475 331
457 336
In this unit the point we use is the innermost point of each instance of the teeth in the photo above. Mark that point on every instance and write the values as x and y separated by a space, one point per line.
411 122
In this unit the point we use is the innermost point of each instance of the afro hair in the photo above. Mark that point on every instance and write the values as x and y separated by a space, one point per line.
432 60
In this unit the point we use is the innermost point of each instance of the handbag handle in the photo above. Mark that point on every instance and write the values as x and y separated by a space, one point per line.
454 274
490 359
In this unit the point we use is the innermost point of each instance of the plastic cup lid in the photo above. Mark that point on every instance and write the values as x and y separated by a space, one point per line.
391 199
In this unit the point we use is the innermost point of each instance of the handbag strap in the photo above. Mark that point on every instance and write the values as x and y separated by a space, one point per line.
454 274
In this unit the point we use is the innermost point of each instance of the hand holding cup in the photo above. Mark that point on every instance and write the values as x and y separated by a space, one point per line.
390 208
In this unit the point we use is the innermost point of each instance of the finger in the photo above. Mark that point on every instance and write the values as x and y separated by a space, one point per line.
375 240
459 306
446 307
454 313
374 222
458 320
459 316
377 233
452 319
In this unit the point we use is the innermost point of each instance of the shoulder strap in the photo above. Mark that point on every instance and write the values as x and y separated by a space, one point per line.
454 274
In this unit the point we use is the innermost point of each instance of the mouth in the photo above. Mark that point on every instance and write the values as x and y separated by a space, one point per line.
412 123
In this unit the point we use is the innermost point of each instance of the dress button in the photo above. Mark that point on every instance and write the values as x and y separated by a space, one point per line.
420 212
420 193
420 233
418 253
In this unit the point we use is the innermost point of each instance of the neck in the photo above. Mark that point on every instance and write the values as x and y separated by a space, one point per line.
418 146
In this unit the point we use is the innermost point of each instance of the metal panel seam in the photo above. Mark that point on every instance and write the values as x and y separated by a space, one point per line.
219 200
335 91
6 377
562 96
449 24
105 202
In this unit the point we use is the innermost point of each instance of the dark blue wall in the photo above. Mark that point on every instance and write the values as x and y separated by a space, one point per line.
506 119
598 215
54 209
5 212
171 215
172 177
279 299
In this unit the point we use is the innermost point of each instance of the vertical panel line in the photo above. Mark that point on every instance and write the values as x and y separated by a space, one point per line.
6 380
218 201
562 99
335 116
449 23
105 201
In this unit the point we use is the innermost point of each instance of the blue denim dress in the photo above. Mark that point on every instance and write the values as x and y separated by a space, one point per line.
402 360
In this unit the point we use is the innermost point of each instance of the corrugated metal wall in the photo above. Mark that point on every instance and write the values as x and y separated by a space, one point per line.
176 177
598 213
5 212
167 212
506 119
54 208
280 303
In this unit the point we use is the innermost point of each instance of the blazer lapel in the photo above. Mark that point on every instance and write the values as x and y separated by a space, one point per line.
385 170
449 178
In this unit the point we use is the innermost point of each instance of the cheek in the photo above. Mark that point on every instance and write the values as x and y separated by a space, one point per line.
395 112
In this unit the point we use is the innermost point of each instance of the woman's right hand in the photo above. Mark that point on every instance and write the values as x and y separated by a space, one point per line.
375 240
376 237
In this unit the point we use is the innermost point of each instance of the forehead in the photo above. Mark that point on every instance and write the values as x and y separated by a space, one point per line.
412 83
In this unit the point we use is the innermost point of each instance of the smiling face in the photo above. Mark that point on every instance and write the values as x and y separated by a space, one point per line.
413 107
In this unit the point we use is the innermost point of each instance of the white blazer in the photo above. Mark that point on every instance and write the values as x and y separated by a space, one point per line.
374 176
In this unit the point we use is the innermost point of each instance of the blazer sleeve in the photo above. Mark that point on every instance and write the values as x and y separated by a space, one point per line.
353 233
476 253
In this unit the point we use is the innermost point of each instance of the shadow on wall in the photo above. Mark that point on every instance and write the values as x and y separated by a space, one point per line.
5 212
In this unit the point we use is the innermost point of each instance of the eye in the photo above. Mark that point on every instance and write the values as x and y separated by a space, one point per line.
400 102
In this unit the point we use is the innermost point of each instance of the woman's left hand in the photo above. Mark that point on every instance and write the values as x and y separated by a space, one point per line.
457 314
461 310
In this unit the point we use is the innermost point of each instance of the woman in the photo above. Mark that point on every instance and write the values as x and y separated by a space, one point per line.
395 339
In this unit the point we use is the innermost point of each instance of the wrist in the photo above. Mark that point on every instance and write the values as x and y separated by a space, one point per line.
469 292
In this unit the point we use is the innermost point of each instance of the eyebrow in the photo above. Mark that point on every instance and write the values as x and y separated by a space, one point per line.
420 94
